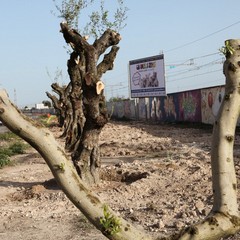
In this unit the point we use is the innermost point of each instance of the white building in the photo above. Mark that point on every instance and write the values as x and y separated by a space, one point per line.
41 106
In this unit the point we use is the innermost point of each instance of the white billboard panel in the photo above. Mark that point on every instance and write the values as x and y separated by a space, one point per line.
147 78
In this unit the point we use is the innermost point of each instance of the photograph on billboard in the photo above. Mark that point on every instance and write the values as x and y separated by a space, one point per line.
147 78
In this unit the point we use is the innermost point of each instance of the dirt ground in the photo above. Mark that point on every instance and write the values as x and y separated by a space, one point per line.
157 176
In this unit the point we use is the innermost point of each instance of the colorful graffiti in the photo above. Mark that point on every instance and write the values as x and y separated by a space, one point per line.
211 100
184 106
129 109
190 106
133 109
142 108
166 108
120 109
152 108
110 108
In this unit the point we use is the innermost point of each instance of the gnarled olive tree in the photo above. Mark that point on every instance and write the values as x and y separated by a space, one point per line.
81 105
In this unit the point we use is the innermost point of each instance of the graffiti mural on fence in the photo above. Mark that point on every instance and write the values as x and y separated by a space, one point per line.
190 106
110 108
115 109
120 109
133 109
142 108
148 107
211 101
158 108
127 109
170 107
152 108
167 108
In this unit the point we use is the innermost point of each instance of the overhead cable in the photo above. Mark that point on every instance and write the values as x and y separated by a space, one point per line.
199 39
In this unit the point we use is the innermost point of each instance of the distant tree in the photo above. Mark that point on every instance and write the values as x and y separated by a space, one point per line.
61 104
47 103
117 99
81 104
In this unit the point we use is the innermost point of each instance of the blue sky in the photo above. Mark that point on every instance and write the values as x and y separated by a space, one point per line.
189 33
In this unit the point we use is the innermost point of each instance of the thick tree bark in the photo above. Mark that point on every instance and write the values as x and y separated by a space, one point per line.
76 100
87 98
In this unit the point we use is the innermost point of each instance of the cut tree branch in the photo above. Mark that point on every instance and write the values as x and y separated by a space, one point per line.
79 44
55 101
109 38
107 62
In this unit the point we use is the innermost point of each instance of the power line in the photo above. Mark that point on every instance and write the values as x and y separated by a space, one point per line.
120 87
117 89
182 62
200 74
116 76
196 68
199 39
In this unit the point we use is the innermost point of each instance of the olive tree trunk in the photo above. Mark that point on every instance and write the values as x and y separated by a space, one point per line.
76 100
89 110
61 104
224 218
223 169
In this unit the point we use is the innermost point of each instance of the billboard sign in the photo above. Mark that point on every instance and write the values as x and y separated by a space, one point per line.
147 78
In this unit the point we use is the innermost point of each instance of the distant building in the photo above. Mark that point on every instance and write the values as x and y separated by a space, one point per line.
40 106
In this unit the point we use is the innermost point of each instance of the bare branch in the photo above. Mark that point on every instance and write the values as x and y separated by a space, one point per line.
54 99
80 45
107 62
109 38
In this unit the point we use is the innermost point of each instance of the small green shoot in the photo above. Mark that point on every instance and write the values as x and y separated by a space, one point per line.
110 224
61 167
227 50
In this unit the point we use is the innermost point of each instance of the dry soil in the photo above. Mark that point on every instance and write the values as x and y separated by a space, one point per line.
158 176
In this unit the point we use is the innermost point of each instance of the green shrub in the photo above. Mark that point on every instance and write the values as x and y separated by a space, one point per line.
7 136
10 150
6 151
4 160
17 148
